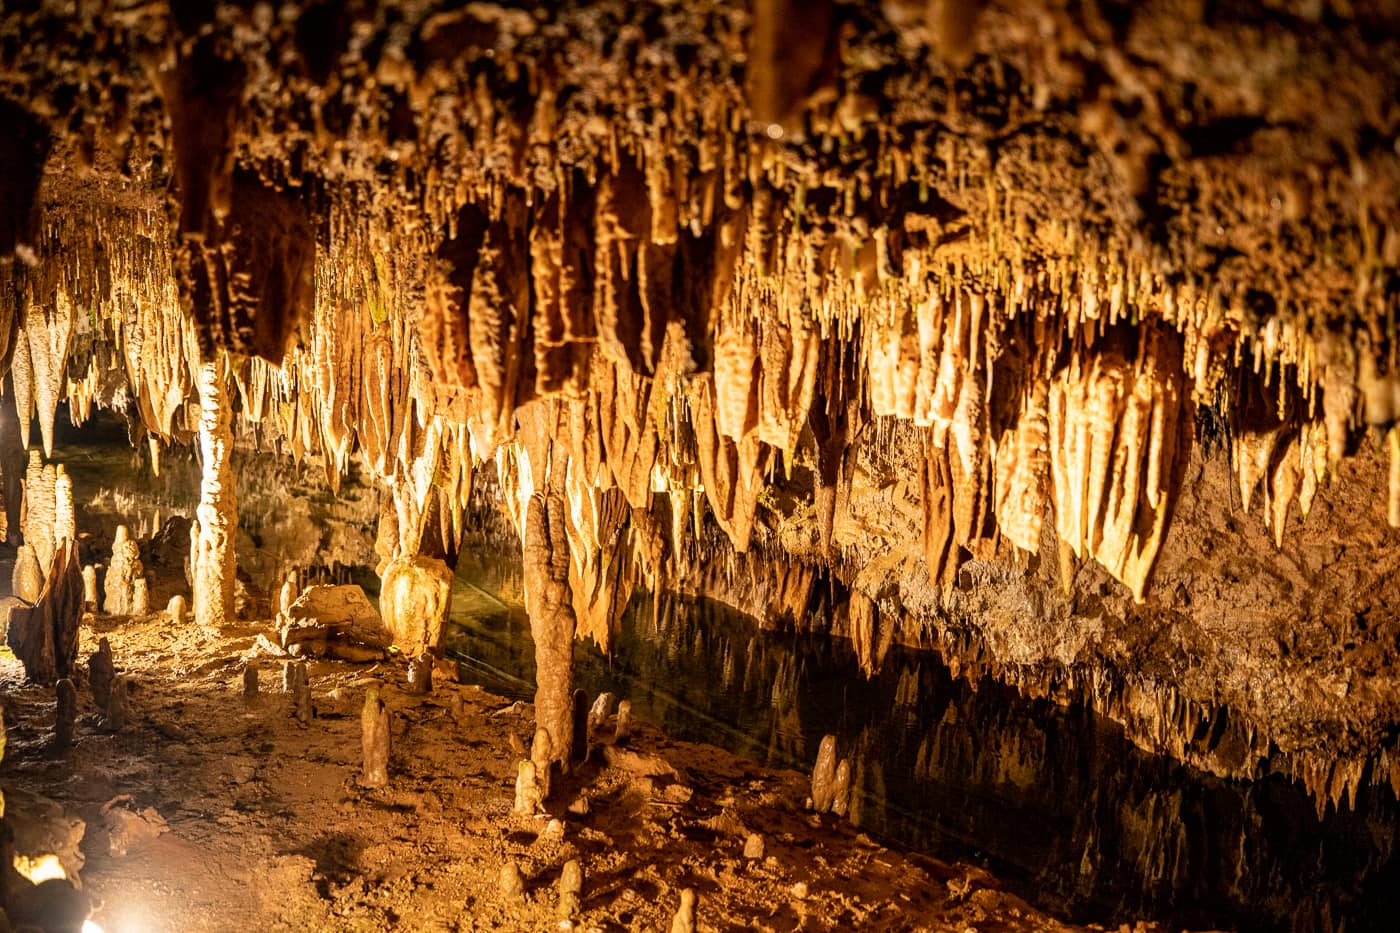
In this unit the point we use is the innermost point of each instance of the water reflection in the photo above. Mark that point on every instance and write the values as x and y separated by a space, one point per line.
1053 799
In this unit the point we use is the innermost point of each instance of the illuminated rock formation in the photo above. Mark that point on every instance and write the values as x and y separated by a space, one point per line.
213 559
414 599
949 310
44 636
122 571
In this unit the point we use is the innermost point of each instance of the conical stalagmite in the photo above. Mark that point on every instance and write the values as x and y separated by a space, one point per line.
65 712
374 740
217 514
122 571
28 577
824 775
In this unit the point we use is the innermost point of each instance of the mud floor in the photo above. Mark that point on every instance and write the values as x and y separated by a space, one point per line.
268 829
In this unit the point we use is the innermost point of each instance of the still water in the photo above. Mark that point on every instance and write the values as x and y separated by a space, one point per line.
1053 800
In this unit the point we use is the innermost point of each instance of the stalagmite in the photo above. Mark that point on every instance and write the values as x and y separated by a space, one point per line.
570 889
511 884
176 610
415 599
528 798
287 594
122 571
115 710
824 775
28 577
841 788
39 507
542 756
216 516
301 699
623 731
374 740
65 527
101 672
65 712
90 588
44 635
600 711
684 920
420 675
250 679
140 597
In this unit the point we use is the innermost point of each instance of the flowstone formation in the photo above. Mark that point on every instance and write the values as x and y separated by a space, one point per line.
1061 337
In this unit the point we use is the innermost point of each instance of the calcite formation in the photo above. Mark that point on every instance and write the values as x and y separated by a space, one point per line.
940 304
414 600
122 572
212 557
44 635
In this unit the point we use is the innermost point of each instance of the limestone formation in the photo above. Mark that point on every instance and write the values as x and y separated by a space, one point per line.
374 740
290 673
334 621
529 799
420 675
250 679
217 515
301 702
684 919
841 788
754 846
140 597
824 775
44 635
122 571
115 711
600 711
622 733
65 527
415 598
288 594
570 889
28 576
511 884
40 520
552 621
102 671
90 588
177 610
65 712
957 303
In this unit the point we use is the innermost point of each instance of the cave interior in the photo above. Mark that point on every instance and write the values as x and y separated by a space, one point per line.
712 465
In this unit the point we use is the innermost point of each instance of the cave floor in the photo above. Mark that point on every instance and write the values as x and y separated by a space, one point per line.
268 829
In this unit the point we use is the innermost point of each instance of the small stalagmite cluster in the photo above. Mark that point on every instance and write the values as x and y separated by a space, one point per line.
932 311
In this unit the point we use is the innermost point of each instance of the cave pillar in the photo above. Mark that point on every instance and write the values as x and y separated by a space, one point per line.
552 623
216 518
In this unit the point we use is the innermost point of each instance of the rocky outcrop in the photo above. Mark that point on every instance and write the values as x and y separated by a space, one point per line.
338 621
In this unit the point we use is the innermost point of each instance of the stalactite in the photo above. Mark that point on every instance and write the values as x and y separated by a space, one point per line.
217 515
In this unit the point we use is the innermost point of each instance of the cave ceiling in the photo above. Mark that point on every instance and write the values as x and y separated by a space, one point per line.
1043 266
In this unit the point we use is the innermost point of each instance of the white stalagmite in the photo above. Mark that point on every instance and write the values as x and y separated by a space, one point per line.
122 572
65 525
216 517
